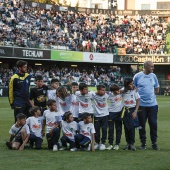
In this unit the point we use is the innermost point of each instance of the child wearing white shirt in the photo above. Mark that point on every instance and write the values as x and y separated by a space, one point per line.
52 119
69 128
85 139
131 105
35 124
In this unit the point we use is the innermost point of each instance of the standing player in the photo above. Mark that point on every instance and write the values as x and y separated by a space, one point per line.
147 84
114 119
74 103
84 97
51 93
38 94
131 105
19 90
63 99
100 116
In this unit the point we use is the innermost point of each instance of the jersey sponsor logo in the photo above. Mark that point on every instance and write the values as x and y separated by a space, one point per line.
51 124
101 104
41 98
63 104
85 133
84 105
118 98
129 102
35 126
68 134
75 103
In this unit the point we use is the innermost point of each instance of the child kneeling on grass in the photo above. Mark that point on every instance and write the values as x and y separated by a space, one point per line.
85 139
35 124
19 132
69 129
52 119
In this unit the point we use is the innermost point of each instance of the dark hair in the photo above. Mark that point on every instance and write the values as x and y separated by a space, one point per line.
21 63
62 92
38 78
114 87
127 81
50 102
66 115
86 115
20 116
82 86
100 86
33 110
74 84
54 81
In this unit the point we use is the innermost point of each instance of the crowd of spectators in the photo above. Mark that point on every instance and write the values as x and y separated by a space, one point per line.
25 26
67 75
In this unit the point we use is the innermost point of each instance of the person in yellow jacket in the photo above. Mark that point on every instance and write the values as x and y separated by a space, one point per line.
19 90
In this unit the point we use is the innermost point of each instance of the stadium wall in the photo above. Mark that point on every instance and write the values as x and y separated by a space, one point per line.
73 56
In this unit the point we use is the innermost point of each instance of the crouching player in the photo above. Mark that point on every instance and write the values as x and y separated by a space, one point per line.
35 124
69 129
52 119
21 132
85 139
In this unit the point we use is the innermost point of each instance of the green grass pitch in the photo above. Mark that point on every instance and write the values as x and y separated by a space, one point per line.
81 160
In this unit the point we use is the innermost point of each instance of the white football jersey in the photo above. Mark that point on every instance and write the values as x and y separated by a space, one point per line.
74 106
51 94
15 129
130 98
69 129
64 105
116 102
85 102
52 118
100 105
86 129
35 125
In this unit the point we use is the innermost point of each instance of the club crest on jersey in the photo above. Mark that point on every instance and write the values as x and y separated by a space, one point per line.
86 100
44 91
39 121
88 128
104 99
151 80
131 96
71 129
26 81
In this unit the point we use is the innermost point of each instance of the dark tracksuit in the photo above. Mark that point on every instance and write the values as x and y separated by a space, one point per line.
19 93
100 122
114 121
129 125
52 139
149 113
